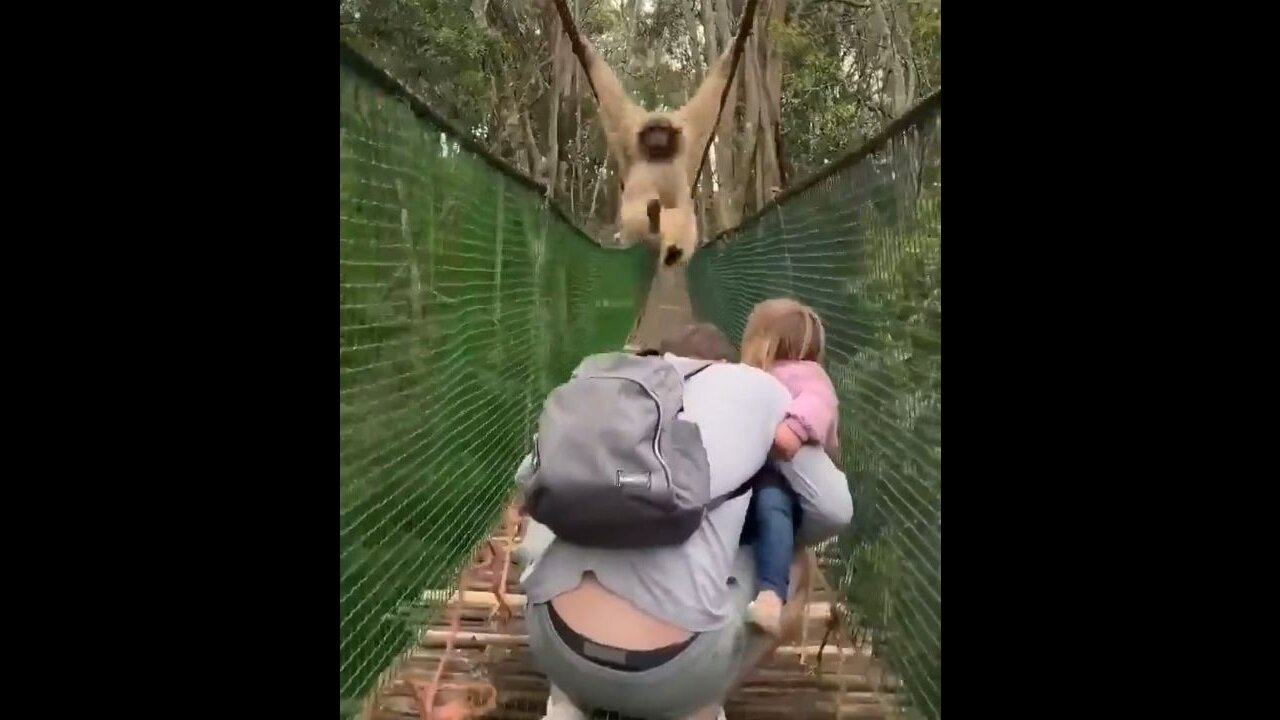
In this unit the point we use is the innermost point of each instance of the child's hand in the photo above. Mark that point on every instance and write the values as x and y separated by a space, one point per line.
785 442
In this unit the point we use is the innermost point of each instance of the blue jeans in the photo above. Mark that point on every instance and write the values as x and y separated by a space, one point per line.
770 529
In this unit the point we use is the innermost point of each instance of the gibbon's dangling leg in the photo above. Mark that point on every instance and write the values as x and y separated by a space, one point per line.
633 216
678 233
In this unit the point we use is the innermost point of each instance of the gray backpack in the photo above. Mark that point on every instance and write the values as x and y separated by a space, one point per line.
613 467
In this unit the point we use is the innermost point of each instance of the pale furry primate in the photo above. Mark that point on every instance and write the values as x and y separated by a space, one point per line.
658 156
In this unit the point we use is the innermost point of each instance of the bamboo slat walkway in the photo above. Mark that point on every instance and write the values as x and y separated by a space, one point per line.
488 669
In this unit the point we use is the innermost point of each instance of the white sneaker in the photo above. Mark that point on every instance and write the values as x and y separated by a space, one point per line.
559 707
766 613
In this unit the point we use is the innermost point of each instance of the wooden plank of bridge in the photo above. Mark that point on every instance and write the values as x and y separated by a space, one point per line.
489 661
667 308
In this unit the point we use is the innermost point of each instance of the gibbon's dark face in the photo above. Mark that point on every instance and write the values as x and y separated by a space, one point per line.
659 140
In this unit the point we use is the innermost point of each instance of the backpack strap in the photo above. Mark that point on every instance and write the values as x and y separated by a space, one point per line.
690 374
741 489
697 370
735 493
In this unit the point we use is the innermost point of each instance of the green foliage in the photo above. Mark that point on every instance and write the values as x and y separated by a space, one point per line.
438 50
462 299
819 118
834 64
491 74
864 248
925 19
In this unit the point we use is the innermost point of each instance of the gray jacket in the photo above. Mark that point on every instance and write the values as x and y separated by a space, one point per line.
737 408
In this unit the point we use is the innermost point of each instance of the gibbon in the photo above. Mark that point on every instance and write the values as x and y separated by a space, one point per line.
658 156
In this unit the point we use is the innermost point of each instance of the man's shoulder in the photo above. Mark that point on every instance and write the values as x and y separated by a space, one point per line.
742 377
737 382
729 369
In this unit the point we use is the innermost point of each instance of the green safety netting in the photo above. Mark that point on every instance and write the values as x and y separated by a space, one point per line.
863 246
463 298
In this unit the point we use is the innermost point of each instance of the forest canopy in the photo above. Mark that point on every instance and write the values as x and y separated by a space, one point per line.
818 77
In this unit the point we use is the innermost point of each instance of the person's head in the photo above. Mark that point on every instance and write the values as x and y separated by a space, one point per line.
701 341
782 329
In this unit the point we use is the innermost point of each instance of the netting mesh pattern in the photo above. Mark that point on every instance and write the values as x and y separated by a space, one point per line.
864 248
462 302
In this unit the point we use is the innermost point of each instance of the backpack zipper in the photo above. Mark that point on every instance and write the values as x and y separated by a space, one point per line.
666 470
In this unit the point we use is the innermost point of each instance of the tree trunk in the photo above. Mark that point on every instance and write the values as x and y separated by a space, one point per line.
553 117
578 160
635 21
595 193
695 46
536 161
710 51
768 176
898 67
757 110
710 44
901 81
477 12
726 177
771 112
902 29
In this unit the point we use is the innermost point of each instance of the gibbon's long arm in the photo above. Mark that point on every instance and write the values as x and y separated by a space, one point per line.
698 116
619 114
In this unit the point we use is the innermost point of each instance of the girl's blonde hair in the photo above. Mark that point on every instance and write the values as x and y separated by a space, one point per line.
782 329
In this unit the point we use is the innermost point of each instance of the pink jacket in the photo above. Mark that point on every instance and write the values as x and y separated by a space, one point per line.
813 413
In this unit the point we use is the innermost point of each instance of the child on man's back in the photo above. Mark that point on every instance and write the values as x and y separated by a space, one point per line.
786 339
